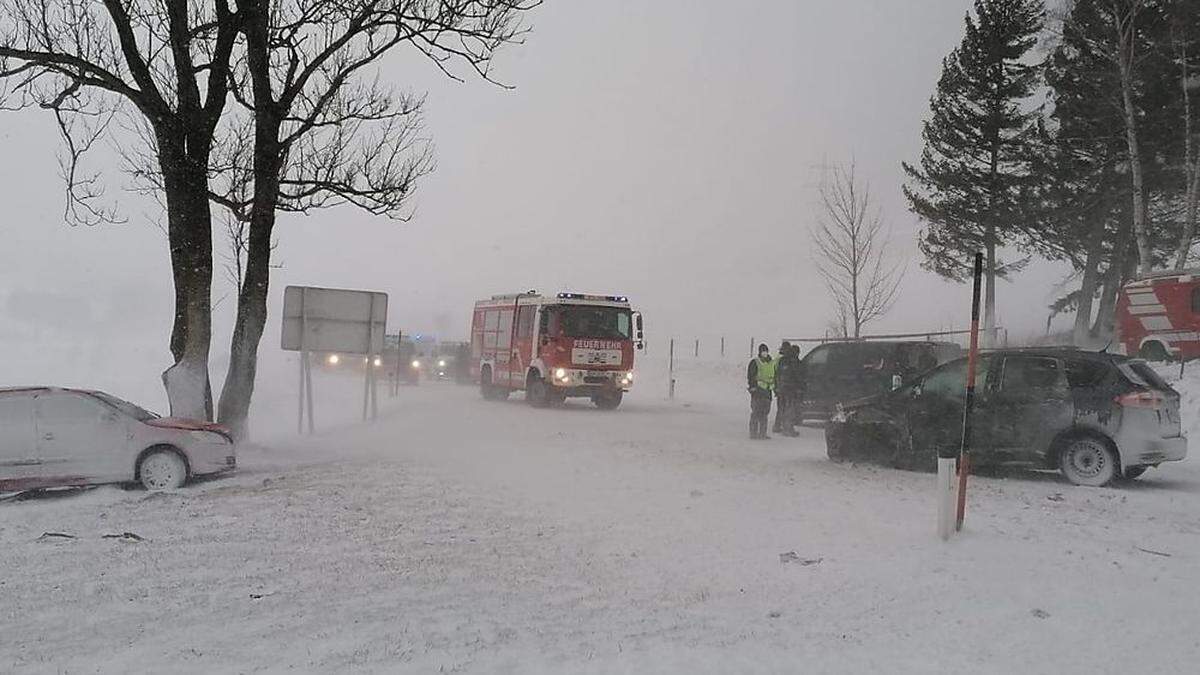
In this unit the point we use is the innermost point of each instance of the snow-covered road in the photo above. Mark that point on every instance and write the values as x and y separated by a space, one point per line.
461 535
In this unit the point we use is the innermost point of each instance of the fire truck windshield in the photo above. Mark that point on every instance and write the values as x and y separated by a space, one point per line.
611 323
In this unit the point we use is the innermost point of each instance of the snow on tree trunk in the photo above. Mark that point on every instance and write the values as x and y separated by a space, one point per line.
189 234
1080 334
187 389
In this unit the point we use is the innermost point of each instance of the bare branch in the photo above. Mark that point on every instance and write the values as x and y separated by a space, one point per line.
850 246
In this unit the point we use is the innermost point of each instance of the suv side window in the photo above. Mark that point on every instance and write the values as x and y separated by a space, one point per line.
1022 373
950 380
1196 300
818 356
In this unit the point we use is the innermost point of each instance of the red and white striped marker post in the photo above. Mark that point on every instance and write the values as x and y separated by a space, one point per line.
946 456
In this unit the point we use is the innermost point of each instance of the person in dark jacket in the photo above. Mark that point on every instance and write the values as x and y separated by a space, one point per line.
760 382
781 396
789 387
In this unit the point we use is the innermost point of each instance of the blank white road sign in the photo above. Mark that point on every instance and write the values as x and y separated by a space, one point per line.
333 320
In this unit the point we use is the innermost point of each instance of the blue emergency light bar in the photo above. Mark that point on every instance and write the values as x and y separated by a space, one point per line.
584 296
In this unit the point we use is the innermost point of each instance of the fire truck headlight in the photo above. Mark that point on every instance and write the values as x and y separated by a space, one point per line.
628 378
378 362
333 359
416 364
441 364
561 373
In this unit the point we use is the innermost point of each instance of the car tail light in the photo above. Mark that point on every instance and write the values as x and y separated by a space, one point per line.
1141 399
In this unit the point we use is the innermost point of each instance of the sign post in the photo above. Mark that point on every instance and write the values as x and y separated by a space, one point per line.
964 451
671 371
337 321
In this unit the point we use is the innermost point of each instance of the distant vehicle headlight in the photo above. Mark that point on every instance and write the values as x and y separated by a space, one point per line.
416 364
561 373
333 359
378 362
442 364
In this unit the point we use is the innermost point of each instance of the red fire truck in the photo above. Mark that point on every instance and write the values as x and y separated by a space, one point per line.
553 347
1158 315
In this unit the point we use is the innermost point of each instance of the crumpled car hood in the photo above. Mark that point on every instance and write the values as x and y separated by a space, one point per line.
190 425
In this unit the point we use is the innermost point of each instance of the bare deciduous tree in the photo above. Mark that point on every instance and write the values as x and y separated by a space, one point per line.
326 132
850 246
166 65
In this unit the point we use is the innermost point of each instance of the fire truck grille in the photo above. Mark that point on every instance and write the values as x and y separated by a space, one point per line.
595 379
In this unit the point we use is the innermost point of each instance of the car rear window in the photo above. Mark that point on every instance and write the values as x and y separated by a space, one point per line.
1085 374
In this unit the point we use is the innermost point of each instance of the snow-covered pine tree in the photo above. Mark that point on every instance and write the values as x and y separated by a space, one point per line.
975 165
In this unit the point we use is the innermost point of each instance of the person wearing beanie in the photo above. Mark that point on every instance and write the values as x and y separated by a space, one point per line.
760 382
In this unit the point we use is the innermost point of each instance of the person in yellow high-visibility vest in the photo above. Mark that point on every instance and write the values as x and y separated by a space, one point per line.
760 381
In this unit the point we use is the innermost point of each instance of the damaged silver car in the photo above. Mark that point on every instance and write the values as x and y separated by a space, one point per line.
1096 417
54 437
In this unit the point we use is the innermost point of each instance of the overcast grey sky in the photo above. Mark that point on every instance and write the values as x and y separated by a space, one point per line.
662 149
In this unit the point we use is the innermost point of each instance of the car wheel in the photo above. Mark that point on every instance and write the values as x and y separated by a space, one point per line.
1154 351
909 457
1135 472
1088 460
162 470
487 389
485 384
536 392
835 444
608 401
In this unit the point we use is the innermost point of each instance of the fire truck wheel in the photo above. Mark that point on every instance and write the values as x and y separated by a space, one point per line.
489 391
1153 351
608 401
537 394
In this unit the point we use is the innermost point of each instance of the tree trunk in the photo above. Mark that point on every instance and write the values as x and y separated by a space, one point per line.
1087 290
1191 168
1192 210
989 293
234 406
189 234
1103 328
1191 201
1125 56
269 153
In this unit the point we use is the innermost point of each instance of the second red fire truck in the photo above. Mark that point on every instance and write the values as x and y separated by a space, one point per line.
1158 315
554 347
